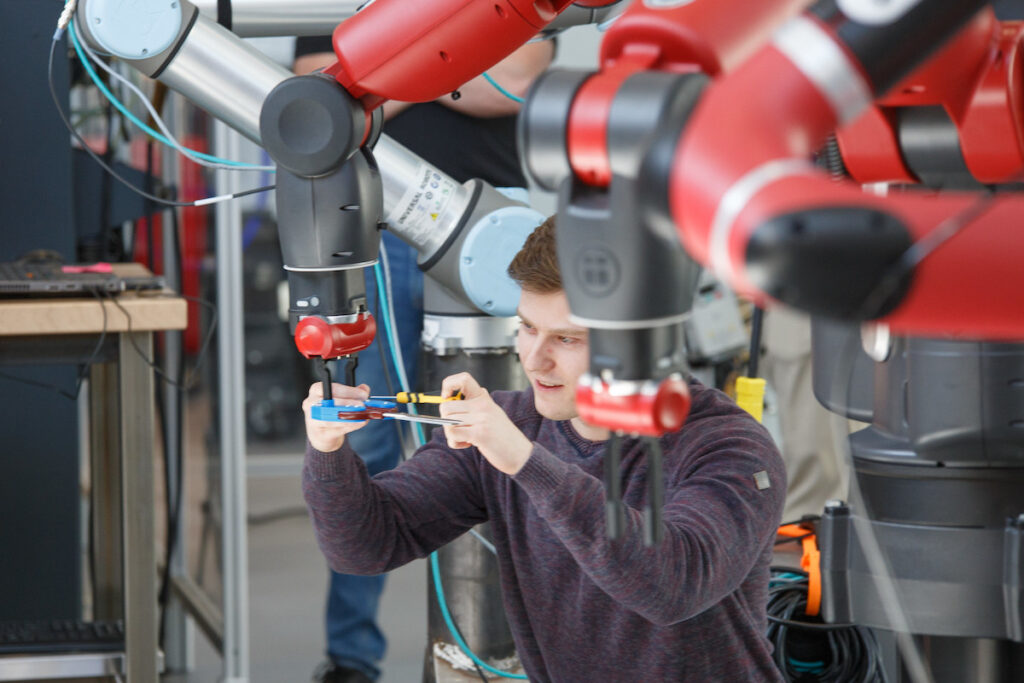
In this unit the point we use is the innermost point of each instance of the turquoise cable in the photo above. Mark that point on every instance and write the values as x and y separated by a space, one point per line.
382 299
439 589
506 93
131 117
434 568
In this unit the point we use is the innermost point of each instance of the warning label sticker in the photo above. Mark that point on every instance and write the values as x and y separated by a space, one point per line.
423 202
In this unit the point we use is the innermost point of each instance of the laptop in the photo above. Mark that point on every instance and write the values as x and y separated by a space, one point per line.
26 278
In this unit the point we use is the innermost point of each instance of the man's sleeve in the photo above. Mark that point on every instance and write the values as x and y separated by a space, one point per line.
718 517
370 526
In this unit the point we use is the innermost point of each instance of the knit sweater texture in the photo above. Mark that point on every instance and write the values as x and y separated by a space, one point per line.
580 606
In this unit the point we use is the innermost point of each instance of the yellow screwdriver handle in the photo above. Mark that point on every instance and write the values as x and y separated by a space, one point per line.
408 397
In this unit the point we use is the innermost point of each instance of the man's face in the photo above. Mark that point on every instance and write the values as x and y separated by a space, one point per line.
553 352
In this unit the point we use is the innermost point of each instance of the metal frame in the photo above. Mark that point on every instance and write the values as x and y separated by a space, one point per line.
230 345
226 626
33 667
179 639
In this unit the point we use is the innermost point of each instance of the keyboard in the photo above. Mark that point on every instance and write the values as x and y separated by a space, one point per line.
49 279
14 270
61 635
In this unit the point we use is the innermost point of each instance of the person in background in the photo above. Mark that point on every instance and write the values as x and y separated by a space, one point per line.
469 137
814 464
581 607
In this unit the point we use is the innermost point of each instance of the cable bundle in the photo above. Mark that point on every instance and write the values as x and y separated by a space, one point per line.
808 650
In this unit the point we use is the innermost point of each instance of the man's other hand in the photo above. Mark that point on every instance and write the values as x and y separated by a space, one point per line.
325 436
484 425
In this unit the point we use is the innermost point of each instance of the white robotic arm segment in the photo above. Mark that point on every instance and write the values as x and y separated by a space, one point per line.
257 18
465 234
135 30
323 248
205 62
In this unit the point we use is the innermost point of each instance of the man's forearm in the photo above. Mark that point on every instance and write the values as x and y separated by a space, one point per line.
370 526
341 502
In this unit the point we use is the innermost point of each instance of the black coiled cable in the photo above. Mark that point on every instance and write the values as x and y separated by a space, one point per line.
808 650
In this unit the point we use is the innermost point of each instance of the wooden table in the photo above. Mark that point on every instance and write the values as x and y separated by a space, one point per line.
121 449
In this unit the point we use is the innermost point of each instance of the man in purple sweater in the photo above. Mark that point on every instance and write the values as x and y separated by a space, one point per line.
581 607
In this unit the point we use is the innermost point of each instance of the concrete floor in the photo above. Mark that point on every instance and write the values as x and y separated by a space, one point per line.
287 586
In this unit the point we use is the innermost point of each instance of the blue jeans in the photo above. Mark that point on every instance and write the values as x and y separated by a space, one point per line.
354 639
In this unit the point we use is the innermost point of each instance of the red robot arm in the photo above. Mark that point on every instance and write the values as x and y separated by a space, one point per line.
419 51
690 37
747 201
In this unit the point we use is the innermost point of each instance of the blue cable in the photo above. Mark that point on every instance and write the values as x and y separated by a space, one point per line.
506 93
806 667
785 577
439 589
434 567
156 135
396 358
131 117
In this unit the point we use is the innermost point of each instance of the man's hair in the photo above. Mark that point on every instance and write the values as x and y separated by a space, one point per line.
535 267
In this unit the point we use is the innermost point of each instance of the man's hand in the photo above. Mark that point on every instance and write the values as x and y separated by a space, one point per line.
485 425
328 437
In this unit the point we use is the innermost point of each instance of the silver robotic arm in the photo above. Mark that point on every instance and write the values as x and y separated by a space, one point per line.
255 18
333 195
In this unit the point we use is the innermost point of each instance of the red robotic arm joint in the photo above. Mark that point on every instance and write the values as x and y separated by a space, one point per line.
317 338
681 38
419 51
646 408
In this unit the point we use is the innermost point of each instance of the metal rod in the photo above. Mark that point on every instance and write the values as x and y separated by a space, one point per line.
425 419
35 667
325 370
653 531
230 354
615 515
178 632
253 18
755 340
351 363
206 614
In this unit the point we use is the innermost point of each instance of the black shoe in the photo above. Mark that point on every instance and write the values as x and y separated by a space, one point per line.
329 672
